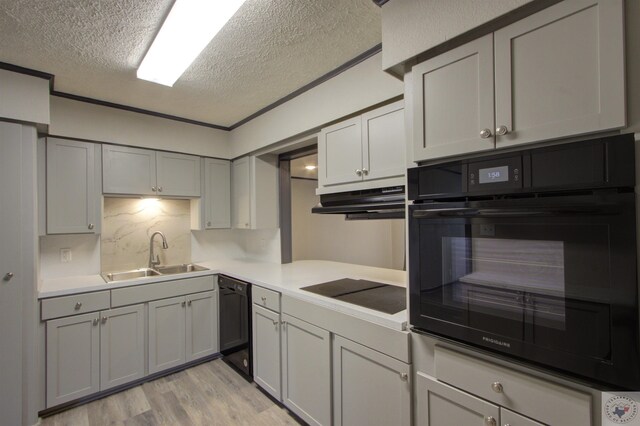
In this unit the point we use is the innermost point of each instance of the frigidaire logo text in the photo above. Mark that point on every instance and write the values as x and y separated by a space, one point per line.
496 342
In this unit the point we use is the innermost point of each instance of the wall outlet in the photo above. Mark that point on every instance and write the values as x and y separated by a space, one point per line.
65 255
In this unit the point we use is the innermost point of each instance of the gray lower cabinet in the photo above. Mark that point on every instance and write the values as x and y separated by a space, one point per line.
369 388
121 346
167 323
202 325
306 370
509 418
266 350
443 405
182 329
73 357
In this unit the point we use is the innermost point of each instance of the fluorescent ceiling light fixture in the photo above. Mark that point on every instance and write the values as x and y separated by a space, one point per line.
190 26
310 167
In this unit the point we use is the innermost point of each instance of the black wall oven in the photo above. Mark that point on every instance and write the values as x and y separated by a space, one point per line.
532 254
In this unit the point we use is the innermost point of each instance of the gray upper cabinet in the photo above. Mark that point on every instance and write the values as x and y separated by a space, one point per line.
306 370
241 182
254 183
453 102
557 73
178 174
363 149
73 193
215 204
369 388
122 343
340 153
128 170
135 171
560 72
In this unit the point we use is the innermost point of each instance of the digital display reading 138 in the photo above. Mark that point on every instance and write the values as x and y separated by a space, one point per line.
494 174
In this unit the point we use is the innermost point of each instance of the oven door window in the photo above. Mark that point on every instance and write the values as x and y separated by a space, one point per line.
543 281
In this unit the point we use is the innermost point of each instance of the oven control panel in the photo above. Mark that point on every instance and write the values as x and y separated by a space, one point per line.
495 174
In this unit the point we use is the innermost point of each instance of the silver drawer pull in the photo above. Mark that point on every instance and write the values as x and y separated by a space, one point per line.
264 299
502 130
153 188
91 226
489 421
485 133
275 322
96 321
404 377
104 320
8 276
497 387
184 304
358 172
208 223
189 303
78 306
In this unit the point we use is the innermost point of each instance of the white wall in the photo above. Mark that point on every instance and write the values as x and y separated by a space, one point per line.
377 243
357 88
99 123
24 98
85 255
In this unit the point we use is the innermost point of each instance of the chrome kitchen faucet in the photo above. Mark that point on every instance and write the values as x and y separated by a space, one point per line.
153 263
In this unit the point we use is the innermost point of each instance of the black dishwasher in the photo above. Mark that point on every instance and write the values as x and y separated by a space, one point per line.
235 323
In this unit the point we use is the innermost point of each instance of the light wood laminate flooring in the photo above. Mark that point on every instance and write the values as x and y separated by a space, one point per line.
207 394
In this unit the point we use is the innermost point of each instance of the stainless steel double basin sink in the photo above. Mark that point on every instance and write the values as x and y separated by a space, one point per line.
148 272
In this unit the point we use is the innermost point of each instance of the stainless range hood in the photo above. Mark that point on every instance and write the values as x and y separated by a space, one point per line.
380 203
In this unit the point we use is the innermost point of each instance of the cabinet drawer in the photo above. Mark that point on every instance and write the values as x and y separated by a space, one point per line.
76 304
146 292
266 298
531 396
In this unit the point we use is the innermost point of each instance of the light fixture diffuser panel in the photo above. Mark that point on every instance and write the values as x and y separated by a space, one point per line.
188 29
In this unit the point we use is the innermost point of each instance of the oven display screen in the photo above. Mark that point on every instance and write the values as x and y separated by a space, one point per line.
494 174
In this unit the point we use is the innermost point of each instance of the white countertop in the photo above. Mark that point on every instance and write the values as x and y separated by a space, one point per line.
287 279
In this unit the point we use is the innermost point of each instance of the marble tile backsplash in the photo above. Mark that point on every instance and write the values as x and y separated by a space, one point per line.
128 224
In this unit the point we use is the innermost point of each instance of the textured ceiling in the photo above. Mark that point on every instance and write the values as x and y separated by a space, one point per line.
267 50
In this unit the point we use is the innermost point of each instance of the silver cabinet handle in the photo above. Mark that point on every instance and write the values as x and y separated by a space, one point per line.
283 323
489 421
189 303
78 306
365 172
502 130
159 189
8 276
264 299
208 223
404 377
485 133
105 319
358 172
153 188
497 387
184 304
96 321
91 226
507 424
275 322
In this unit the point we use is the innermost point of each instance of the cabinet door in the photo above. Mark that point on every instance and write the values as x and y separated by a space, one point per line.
71 188
383 142
369 388
202 325
306 370
11 311
121 346
560 72
453 102
241 193
166 334
442 405
509 418
266 350
73 356
178 175
217 194
340 153
128 170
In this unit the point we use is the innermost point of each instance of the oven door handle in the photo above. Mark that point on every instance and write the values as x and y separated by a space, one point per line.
465 212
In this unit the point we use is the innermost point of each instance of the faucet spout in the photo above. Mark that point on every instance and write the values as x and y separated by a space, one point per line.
155 260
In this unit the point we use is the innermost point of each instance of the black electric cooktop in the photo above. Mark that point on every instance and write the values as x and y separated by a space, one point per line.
381 297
